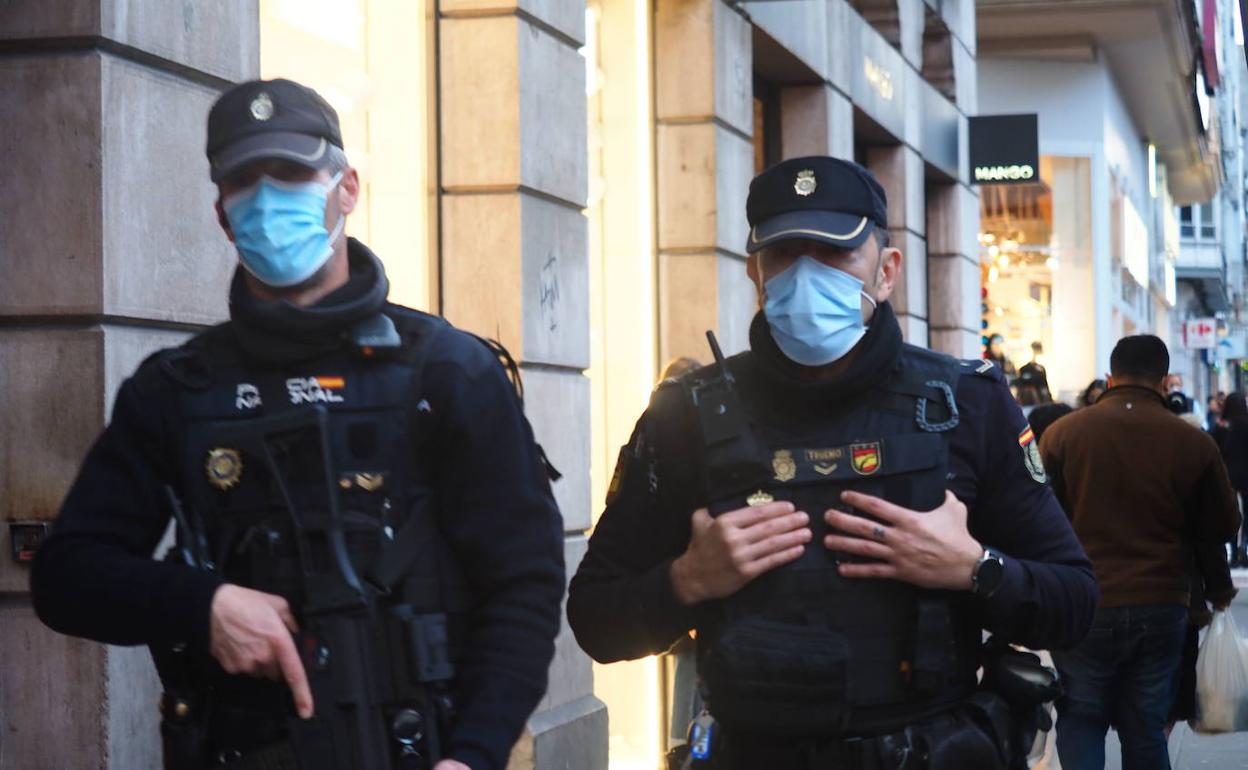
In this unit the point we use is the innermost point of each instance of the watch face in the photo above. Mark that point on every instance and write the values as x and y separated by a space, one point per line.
988 574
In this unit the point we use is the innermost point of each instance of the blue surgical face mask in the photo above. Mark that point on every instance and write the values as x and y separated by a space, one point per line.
279 229
815 311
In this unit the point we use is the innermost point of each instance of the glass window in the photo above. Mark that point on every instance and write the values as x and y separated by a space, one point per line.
368 58
1186 229
1208 229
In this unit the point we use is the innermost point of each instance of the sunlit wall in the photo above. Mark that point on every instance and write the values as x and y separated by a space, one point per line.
370 60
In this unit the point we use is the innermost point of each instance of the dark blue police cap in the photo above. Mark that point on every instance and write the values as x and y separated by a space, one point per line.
823 199
263 119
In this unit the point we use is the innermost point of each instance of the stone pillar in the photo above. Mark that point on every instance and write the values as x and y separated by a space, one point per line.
704 160
953 270
514 266
817 120
899 170
109 249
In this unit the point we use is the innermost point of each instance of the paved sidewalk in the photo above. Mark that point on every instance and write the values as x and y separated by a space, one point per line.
1188 749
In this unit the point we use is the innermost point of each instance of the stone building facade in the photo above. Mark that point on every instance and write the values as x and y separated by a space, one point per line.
590 217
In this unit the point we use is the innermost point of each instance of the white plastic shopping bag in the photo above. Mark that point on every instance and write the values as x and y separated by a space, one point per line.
1222 679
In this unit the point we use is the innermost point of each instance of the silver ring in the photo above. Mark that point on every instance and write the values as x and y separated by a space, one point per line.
878 533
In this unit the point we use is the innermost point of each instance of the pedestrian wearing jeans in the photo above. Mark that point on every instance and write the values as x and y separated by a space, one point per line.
1142 488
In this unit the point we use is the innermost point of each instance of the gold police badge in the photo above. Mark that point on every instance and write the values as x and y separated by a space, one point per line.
224 467
805 183
784 465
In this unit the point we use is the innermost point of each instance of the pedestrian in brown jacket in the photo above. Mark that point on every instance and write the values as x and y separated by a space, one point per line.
1142 489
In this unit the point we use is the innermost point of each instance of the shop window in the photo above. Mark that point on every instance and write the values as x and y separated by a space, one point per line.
1186 228
1036 267
369 59
1208 230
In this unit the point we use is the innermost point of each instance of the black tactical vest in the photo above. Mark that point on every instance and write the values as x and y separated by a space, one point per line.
311 481
802 651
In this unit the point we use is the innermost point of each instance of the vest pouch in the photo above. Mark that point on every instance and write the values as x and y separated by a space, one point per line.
768 676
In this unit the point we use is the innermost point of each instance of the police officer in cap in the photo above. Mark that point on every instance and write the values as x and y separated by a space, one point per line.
839 515
368 567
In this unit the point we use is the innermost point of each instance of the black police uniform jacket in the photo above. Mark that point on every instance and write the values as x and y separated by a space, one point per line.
907 651
470 442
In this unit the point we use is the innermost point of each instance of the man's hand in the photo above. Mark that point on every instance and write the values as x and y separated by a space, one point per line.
251 634
730 550
930 550
1221 602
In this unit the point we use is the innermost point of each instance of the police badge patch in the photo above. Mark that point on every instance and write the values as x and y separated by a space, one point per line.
784 465
1031 456
865 458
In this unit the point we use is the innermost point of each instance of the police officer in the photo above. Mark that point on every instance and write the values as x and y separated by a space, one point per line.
837 513
369 562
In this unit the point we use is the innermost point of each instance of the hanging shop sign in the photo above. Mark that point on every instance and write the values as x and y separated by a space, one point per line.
1004 149
1201 333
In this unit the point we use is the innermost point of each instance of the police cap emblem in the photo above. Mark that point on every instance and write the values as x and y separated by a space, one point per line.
759 498
805 183
224 467
262 106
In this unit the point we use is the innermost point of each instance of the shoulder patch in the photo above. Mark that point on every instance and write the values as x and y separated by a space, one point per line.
1031 456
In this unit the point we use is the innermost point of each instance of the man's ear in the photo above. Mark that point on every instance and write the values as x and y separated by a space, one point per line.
223 221
889 273
348 191
1109 381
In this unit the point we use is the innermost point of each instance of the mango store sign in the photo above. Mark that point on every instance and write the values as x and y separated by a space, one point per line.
1004 149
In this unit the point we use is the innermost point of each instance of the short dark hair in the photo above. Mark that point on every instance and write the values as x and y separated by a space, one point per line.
1141 357
881 237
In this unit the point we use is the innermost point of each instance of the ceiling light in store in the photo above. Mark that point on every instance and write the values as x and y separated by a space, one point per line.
993 274
1003 261
986 238
1000 310
993 251
1009 244
1051 263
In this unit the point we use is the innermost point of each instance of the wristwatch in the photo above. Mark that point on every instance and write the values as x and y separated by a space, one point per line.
988 572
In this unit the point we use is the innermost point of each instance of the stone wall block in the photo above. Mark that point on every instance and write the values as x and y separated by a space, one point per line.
50 250
133 717
52 693
686 185
913 19
912 95
566 16
684 76
734 68
899 170
840 126
481 266
954 292
51 383
734 169
953 221
805 128
964 27
738 302
554 288
572 672
221 39
840 26
553 123
554 400
914 330
910 294
165 256
958 343
572 736
798 25
690 295
480 106
966 79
